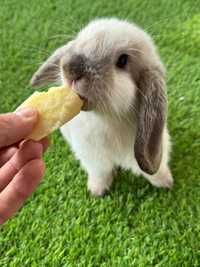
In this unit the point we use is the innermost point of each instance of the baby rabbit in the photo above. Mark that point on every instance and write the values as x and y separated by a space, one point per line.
113 65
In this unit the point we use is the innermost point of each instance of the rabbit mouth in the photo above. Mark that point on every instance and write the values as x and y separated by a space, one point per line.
87 105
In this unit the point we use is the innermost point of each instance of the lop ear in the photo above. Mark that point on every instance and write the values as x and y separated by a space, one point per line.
49 70
152 109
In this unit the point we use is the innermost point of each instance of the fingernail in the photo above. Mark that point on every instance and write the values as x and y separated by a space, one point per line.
26 112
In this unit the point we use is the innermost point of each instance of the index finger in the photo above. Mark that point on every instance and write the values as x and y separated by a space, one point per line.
16 126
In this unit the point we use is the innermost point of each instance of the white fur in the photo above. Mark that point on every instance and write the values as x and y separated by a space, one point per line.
103 142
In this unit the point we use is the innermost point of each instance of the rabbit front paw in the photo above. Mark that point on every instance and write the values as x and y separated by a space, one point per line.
99 187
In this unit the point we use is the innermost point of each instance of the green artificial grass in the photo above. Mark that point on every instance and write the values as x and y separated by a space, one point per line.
136 224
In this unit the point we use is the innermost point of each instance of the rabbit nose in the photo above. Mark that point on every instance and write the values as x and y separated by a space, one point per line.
75 68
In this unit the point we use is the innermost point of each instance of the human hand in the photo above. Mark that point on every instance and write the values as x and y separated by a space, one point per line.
21 165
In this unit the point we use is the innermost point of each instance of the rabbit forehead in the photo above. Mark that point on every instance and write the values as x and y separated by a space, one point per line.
104 37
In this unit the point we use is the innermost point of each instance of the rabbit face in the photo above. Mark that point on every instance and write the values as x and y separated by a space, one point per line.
99 61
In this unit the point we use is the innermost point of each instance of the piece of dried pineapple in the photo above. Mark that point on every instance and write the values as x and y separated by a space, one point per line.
55 107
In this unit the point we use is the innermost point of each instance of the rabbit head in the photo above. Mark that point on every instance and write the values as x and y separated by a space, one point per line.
113 65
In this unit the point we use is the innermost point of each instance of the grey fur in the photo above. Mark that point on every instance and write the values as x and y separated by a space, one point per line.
75 69
93 78
152 107
48 72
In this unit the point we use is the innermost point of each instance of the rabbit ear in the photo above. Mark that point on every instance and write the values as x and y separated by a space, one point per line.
49 70
152 107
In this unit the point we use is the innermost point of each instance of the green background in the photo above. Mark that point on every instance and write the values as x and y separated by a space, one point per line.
137 224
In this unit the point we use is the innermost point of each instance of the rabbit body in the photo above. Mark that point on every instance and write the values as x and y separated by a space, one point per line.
102 144
114 66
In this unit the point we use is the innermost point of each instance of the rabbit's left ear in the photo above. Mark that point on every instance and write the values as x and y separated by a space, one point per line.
49 70
152 109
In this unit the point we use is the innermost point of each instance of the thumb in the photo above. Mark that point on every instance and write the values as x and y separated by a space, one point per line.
16 126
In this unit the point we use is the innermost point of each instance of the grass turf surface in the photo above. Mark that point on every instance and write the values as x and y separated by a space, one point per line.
137 224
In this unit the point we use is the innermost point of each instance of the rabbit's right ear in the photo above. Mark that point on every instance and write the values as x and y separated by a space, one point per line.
49 70
152 109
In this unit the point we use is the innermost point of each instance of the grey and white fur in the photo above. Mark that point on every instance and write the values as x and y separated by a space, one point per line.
114 66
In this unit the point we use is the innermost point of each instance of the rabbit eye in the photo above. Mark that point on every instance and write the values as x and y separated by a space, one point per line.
122 61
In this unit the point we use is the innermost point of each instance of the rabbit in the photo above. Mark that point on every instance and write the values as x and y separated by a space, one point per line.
114 67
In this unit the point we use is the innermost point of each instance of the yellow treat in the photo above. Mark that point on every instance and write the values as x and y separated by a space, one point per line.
55 108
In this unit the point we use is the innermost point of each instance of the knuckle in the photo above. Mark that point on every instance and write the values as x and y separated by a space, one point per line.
5 135
14 166
20 194
33 149
5 122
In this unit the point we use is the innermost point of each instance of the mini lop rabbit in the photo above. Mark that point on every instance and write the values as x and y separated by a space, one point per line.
113 65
